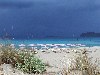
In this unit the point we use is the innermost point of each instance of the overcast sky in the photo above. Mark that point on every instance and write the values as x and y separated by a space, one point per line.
42 18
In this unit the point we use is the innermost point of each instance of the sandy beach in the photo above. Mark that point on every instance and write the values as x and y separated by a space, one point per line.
61 58
58 58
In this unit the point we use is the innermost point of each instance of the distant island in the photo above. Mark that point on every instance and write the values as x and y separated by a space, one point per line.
90 34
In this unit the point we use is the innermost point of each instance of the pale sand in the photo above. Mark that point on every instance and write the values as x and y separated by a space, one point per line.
58 58
62 58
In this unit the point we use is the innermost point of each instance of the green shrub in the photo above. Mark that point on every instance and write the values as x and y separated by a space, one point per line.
22 60
30 64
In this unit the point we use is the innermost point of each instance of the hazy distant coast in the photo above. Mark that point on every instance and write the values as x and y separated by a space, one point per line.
90 34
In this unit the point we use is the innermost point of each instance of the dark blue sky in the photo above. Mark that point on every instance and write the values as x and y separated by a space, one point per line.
42 18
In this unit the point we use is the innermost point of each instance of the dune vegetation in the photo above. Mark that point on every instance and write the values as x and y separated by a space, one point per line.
25 61
21 59
82 66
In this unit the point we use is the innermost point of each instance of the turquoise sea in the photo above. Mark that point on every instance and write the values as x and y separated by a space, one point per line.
85 41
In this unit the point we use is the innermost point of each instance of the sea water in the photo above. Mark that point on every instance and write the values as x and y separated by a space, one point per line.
85 41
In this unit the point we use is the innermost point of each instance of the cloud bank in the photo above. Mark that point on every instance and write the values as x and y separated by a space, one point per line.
50 17
15 4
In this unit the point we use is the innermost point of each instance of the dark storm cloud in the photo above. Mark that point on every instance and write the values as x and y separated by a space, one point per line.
93 5
15 4
50 17
80 5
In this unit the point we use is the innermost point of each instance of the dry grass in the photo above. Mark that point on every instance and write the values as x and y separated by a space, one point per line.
83 66
64 72
7 55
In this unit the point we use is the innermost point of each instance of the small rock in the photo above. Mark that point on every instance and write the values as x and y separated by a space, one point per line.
55 51
83 52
